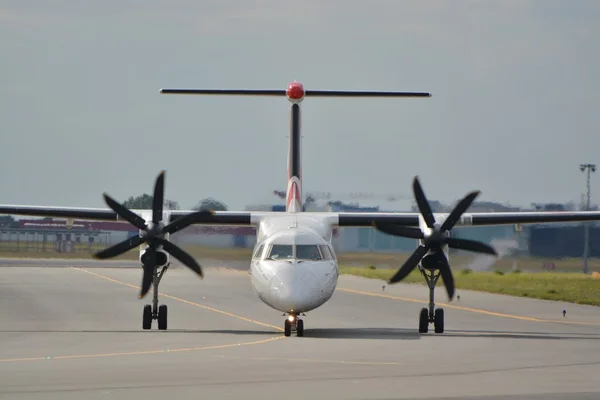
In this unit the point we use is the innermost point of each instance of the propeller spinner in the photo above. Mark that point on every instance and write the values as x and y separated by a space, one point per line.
434 239
153 233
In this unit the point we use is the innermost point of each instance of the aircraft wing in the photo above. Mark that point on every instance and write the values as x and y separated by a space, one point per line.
242 218
246 218
469 219
459 215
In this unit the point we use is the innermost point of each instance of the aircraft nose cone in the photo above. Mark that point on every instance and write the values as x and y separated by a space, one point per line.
291 291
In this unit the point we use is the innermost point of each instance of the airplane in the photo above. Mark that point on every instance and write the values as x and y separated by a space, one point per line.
294 268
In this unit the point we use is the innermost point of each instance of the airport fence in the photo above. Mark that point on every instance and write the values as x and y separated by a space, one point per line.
23 240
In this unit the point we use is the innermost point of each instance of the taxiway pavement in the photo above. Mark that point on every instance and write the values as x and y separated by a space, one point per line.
75 332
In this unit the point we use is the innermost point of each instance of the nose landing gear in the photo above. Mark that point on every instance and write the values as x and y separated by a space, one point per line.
293 324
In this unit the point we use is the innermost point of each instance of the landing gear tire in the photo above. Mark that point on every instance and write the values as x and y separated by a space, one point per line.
162 317
300 328
147 317
438 320
287 328
424 320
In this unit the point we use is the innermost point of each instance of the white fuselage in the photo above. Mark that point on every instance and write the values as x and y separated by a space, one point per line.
294 268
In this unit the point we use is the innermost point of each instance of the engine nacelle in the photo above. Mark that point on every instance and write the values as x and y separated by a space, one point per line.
162 258
432 262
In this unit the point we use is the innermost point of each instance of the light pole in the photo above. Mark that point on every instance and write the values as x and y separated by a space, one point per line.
586 244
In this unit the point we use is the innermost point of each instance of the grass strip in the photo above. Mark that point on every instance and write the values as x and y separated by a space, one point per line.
559 286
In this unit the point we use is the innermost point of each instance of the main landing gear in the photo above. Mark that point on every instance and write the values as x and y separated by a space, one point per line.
293 324
154 311
431 314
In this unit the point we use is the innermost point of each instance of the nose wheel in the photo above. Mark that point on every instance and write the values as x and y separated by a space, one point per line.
293 324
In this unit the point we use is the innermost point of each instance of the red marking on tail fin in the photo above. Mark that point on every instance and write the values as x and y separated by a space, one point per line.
293 201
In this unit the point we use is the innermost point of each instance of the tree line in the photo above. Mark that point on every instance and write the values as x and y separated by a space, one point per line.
144 202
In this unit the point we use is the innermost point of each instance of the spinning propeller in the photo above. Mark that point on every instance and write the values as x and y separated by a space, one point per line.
434 239
152 233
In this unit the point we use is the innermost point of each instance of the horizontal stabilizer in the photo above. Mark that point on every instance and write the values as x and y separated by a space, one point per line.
363 93
279 92
239 92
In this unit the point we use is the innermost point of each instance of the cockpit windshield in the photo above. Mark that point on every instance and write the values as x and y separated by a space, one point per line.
281 252
308 252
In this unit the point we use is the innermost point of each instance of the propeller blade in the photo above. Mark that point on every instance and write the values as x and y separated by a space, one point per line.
158 198
397 230
409 264
119 248
459 210
446 274
148 271
471 245
422 203
181 255
124 213
187 220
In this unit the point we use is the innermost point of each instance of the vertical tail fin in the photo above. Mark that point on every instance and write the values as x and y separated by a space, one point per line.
293 202
295 93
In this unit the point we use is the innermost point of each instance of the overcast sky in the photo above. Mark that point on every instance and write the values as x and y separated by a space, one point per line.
515 106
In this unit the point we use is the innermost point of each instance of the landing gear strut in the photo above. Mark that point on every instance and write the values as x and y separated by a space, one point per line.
293 324
154 311
431 314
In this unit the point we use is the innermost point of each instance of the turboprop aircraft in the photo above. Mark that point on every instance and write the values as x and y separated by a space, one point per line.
293 267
